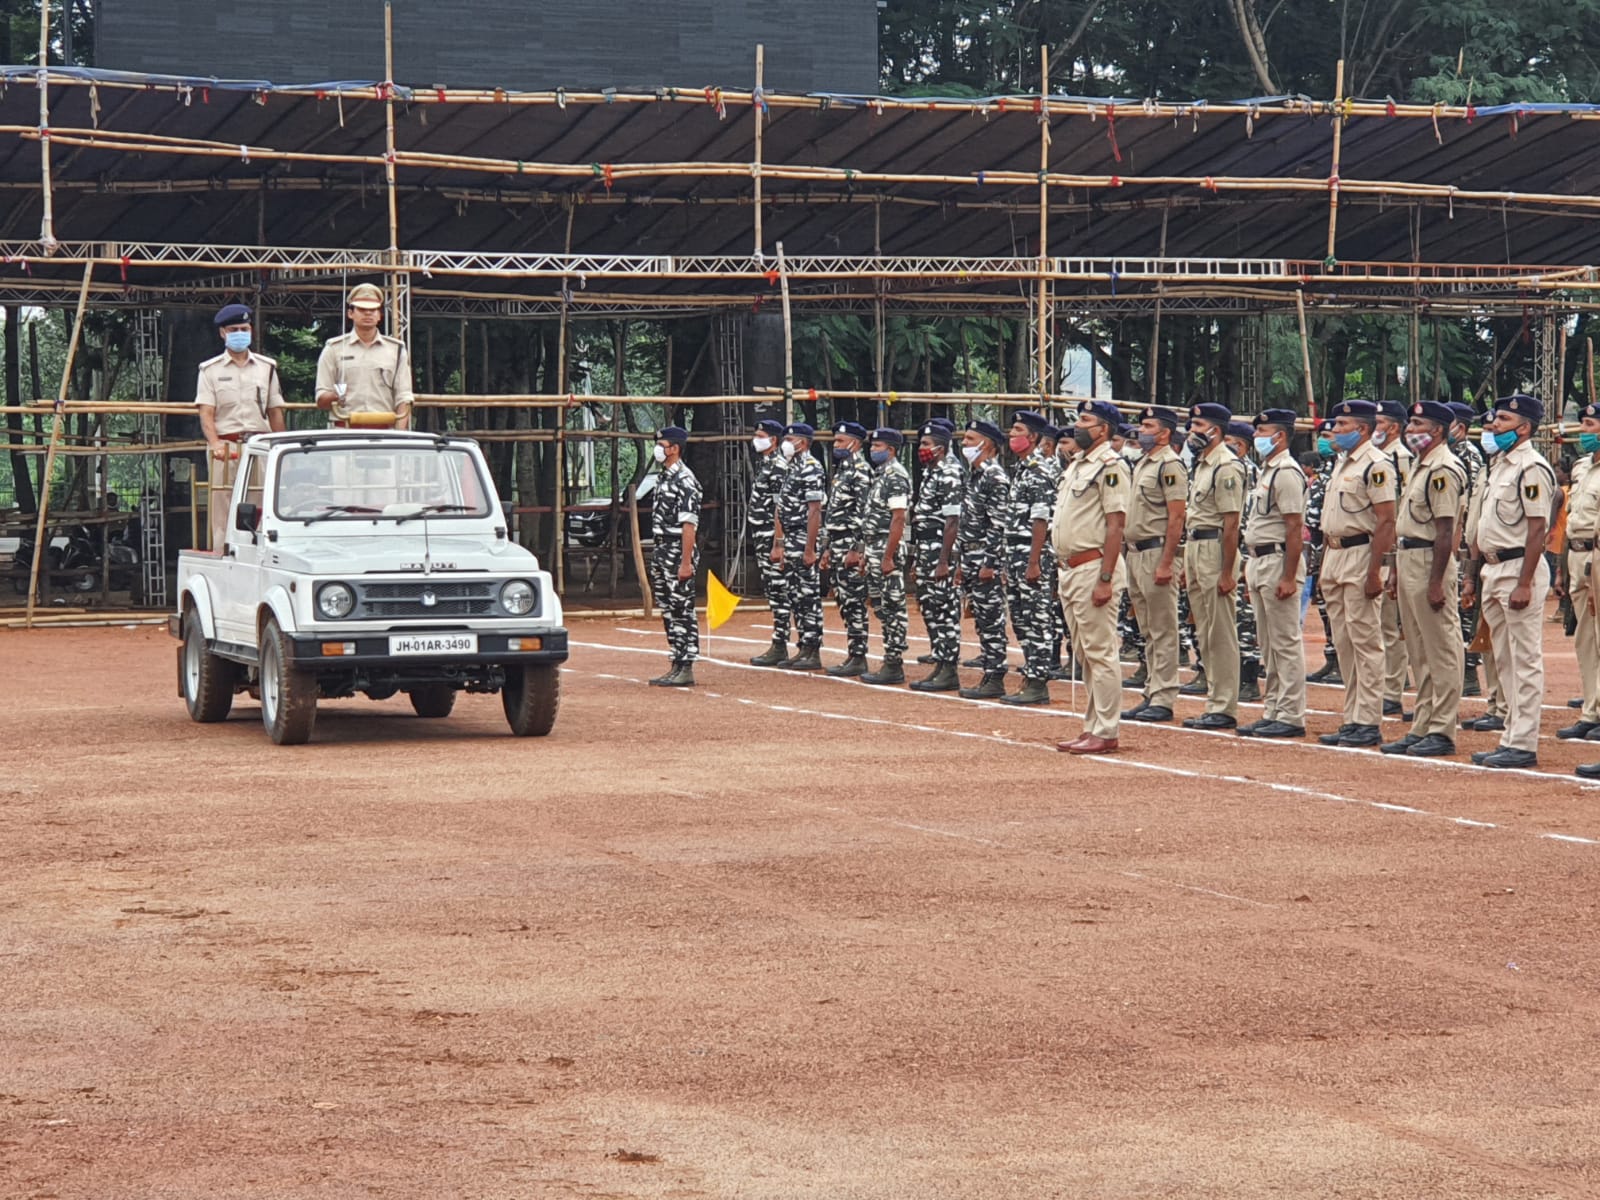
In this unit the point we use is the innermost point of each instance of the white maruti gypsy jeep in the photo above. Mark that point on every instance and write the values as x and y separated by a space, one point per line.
366 561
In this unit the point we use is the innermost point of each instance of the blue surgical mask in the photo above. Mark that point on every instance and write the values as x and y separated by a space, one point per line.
1147 441
1324 447
1264 446
237 340
1347 441
878 457
840 453
1496 443
1589 442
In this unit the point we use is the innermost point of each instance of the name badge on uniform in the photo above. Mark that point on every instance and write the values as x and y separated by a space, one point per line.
224 378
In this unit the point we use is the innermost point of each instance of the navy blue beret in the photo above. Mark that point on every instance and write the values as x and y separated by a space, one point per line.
1434 410
889 437
1217 414
1241 429
232 314
1277 416
1364 409
1520 405
1104 410
775 428
800 429
1033 422
1394 410
1592 411
1158 412
1464 413
850 429
989 430
673 433
937 431
944 423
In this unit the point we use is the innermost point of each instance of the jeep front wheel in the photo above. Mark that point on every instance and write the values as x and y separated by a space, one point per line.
207 679
288 694
531 696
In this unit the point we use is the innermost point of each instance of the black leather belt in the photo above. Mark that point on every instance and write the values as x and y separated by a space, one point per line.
1205 535
1582 544
1150 543
1349 543
1410 543
1500 556
1266 548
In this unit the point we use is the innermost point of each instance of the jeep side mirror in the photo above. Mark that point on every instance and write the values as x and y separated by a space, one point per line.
246 517
505 509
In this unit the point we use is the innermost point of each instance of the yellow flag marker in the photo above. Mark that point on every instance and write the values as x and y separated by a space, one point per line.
720 602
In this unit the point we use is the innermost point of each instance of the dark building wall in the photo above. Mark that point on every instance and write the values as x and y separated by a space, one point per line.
812 45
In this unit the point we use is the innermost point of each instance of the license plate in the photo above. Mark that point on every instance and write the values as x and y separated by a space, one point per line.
433 643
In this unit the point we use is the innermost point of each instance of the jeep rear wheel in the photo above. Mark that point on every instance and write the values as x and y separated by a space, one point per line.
207 679
531 696
433 700
288 694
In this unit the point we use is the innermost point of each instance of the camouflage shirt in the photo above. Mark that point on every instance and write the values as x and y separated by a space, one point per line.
847 502
981 534
1033 498
889 493
674 503
803 485
944 483
769 472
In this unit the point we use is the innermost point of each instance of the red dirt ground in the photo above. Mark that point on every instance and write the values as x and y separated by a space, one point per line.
775 937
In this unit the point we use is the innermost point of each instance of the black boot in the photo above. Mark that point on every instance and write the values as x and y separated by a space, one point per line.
773 656
1249 680
1469 681
1196 686
926 660
1329 672
892 670
1139 679
943 679
804 659
989 687
855 665
1034 691
682 675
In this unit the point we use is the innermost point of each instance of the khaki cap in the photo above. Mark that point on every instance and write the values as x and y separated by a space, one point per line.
366 295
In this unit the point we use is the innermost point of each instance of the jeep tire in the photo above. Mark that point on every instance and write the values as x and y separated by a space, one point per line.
531 695
433 699
288 694
207 680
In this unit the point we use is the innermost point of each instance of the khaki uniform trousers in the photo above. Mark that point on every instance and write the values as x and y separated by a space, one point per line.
1094 641
1437 657
1357 632
1516 635
1586 641
1216 624
1157 607
1396 651
219 494
1278 632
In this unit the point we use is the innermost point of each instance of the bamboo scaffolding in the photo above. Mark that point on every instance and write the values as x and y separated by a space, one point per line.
755 166
47 221
1042 361
788 341
1333 175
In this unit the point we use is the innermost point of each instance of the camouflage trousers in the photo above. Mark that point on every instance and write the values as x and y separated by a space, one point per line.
1060 635
1032 608
988 600
804 587
1249 646
773 585
850 589
1186 635
675 598
940 603
1130 637
888 594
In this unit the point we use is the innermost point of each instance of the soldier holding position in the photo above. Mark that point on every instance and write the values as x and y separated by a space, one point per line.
1156 508
981 541
847 504
364 370
674 558
796 541
1028 592
1211 561
1276 572
883 559
766 479
237 395
933 527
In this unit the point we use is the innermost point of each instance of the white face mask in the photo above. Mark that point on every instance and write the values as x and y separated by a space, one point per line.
970 453
788 450
661 454
1380 438
762 443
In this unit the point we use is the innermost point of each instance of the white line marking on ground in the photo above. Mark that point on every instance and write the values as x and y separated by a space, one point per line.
1126 763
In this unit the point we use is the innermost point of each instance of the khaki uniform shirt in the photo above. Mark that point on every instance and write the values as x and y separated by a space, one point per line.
1361 479
1583 500
1436 489
1216 488
1520 485
1092 486
241 395
1404 463
1158 480
1280 492
376 376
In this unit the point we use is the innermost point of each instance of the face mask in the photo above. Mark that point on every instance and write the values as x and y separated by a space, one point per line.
1380 438
788 450
1453 438
970 453
928 455
1589 442
1420 443
840 453
238 340
878 457
761 444
661 454
1147 441
1264 446
1495 443
1324 447
1083 439
1199 443
1347 441
1019 445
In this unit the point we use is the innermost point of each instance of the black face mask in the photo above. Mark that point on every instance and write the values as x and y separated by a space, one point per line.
1199 443
1084 438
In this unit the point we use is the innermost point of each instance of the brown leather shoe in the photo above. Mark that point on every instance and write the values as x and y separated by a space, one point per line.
1090 744
1072 746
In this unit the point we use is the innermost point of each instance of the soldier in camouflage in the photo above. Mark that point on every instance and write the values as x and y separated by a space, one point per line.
933 532
675 555
1471 456
847 505
1060 635
1027 581
1326 456
797 543
1240 439
1049 452
766 479
980 542
883 562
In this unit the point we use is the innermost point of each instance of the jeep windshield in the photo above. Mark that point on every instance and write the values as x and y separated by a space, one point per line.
380 483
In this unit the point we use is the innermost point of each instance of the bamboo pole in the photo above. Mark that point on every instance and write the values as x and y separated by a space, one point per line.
1041 335
1154 366
1333 177
41 547
47 220
788 340
1559 395
755 167
1588 353
562 382
396 327
1305 356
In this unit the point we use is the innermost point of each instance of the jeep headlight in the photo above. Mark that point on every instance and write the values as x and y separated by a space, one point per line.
517 597
335 600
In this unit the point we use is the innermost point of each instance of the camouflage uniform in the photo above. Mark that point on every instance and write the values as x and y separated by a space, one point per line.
769 472
843 532
1031 499
1249 646
980 540
889 492
676 503
1471 456
944 483
803 484
1314 498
